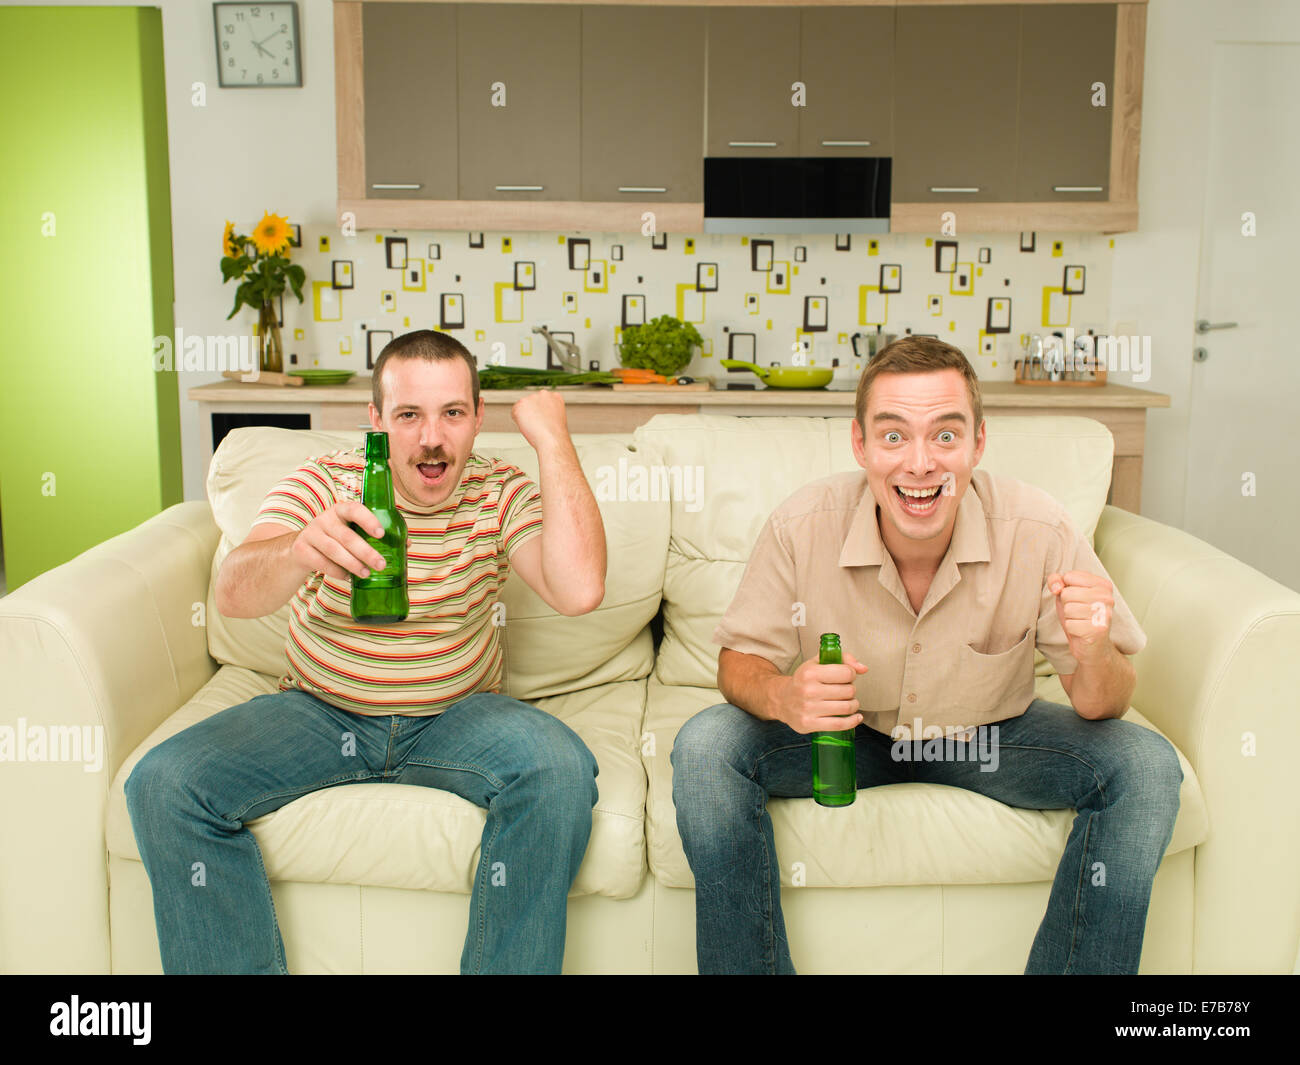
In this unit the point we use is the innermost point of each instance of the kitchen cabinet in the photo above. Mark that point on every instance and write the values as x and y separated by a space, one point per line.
842 55
846 61
753 64
410 101
642 86
955 98
1064 149
519 101
978 105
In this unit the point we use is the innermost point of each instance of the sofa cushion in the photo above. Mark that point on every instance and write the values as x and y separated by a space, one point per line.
405 836
753 464
545 653
895 833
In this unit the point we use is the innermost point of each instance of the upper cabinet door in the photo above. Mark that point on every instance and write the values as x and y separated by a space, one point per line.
753 62
519 101
642 103
846 62
1064 137
955 72
409 73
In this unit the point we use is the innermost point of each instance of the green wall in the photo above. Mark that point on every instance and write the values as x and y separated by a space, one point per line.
89 432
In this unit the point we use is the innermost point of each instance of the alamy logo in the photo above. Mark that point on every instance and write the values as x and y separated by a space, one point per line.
215 354
626 483
53 743
101 1018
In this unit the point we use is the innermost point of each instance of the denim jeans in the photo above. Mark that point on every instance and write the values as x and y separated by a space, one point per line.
190 797
1121 778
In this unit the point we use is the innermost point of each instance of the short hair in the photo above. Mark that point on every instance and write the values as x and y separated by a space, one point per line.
426 344
918 355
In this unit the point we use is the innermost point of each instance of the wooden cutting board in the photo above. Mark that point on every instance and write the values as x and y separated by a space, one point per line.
697 386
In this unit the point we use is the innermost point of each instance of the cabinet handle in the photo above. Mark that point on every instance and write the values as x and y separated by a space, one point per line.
845 144
946 188
641 188
519 188
1076 188
751 144
397 186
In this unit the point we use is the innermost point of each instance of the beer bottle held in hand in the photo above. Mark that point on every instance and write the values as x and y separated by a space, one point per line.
834 759
381 597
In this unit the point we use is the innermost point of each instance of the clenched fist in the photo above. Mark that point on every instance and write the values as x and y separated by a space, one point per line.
1085 604
540 417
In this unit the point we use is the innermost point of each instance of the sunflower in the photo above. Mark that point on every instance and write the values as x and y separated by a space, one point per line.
229 246
271 235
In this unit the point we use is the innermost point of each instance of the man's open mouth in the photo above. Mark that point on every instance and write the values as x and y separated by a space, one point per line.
432 473
919 500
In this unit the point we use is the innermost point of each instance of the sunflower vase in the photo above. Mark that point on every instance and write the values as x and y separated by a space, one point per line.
270 349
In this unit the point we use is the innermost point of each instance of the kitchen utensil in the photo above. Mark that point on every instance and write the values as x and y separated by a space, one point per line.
566 352
323 377
784 376
872 342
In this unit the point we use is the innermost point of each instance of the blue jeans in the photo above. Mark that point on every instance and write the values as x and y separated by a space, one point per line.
1121 778
190 797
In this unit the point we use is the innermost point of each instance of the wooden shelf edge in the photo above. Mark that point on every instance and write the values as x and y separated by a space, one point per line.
526 215
1094 217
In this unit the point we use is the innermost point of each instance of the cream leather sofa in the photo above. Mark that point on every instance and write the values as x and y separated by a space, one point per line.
124 642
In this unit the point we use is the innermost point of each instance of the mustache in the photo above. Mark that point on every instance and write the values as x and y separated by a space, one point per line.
429 460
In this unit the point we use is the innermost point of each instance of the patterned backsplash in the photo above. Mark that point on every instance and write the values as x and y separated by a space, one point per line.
759 298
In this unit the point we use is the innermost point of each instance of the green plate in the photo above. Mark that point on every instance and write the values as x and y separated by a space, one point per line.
323 377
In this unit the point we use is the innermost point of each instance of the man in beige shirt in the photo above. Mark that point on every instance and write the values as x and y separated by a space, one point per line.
945 578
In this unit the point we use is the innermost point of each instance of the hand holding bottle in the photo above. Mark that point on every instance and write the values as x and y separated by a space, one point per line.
820 698
331 545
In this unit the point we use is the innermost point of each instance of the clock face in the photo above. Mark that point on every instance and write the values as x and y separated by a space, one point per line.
257 45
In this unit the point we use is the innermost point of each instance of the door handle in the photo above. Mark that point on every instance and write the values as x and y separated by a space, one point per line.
1205 325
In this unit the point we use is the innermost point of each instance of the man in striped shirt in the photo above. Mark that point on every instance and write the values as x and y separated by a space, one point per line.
413 702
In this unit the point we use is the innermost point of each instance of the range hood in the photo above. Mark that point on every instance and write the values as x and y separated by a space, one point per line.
809 194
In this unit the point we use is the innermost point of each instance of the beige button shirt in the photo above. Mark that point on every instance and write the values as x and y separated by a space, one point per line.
967 659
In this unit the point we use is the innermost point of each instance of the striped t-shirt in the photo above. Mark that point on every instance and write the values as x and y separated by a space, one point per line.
457 558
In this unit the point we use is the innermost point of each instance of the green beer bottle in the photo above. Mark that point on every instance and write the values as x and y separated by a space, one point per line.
834 762
381 596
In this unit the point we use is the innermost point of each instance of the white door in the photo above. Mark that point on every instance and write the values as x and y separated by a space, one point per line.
1245 397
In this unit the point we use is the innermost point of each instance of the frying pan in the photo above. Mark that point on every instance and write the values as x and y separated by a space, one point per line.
784 376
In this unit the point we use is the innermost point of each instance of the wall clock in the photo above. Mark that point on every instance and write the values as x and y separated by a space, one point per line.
257 45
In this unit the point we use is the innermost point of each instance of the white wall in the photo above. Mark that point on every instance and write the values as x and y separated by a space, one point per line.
1155 270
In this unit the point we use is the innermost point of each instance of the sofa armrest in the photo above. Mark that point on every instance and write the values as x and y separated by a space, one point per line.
1218 678
94 654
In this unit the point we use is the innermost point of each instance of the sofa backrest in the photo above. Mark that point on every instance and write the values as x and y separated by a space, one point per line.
753 464
546 654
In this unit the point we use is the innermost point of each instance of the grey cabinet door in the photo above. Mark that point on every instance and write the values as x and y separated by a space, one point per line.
753 61
409 67
529 57
846 62
643 103
1064 149
955 100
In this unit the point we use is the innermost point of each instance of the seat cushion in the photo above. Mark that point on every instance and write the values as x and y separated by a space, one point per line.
753 464
918 833
406 836
545 653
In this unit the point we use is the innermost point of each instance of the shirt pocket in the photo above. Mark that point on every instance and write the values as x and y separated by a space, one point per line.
991 687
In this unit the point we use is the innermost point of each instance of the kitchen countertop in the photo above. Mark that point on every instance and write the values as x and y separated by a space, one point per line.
993 393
